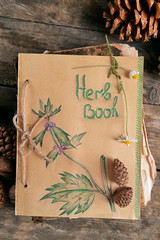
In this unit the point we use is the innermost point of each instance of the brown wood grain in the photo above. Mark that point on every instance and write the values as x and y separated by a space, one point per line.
22 36
19 36
8 98
71 13
152 121
23 228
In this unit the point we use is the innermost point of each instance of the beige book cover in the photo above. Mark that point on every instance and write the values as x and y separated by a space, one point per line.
75 116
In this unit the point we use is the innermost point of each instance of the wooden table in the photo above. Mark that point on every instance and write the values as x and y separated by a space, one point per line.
34 26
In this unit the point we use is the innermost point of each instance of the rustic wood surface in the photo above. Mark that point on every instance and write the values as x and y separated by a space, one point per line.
34 26
23 228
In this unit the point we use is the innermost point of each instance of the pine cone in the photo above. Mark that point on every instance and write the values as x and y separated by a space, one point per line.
3 196
8 142
120 173
6 167
12 194
138 19
123 196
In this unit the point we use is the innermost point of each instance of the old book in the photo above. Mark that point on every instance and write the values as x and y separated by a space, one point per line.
73 115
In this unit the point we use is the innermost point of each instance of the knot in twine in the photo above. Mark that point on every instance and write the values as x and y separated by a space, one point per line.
26 139
25 136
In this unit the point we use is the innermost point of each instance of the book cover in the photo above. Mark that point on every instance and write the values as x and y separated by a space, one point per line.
75 116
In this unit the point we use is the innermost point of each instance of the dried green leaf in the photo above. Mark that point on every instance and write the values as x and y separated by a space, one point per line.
39 137
75 140
45 108
51 107
41 104
120 86
110 72
41 114
61 136
76 192
35 112
116 64
47 163
51 155
48 102
104 174
56 110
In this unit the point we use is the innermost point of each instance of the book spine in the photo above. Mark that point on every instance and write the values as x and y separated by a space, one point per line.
138 137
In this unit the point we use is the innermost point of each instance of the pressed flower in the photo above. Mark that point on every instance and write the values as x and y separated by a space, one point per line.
49 114
52 124
59 149
133 74
48 125
127 140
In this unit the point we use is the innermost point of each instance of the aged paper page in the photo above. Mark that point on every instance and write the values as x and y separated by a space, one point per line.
91 106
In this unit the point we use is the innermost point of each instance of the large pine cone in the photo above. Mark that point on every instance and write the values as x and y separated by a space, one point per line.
120 173
3 196
8 142
123 196
139 19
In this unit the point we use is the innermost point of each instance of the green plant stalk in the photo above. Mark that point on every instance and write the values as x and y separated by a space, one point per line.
96 66
87 171
97 187
111 203
113 67
125 98
104 175
99 190
109 50
121 83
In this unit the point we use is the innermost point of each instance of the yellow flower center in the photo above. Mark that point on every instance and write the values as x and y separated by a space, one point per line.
135 76
127 142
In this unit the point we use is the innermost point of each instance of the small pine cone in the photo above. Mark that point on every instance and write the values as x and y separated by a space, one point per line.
6 167
12 194
3 196
123 196
120 173
8 142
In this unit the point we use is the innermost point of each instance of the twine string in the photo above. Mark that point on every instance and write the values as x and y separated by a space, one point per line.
26 135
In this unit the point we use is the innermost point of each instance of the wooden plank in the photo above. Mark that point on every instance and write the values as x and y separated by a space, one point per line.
8 98
8 103
71 13
19 36
22 228
152 121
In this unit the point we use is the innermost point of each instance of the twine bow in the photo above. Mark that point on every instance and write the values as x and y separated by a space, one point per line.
26 139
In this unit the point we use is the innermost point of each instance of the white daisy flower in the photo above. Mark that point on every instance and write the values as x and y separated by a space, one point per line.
133 74
127 140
